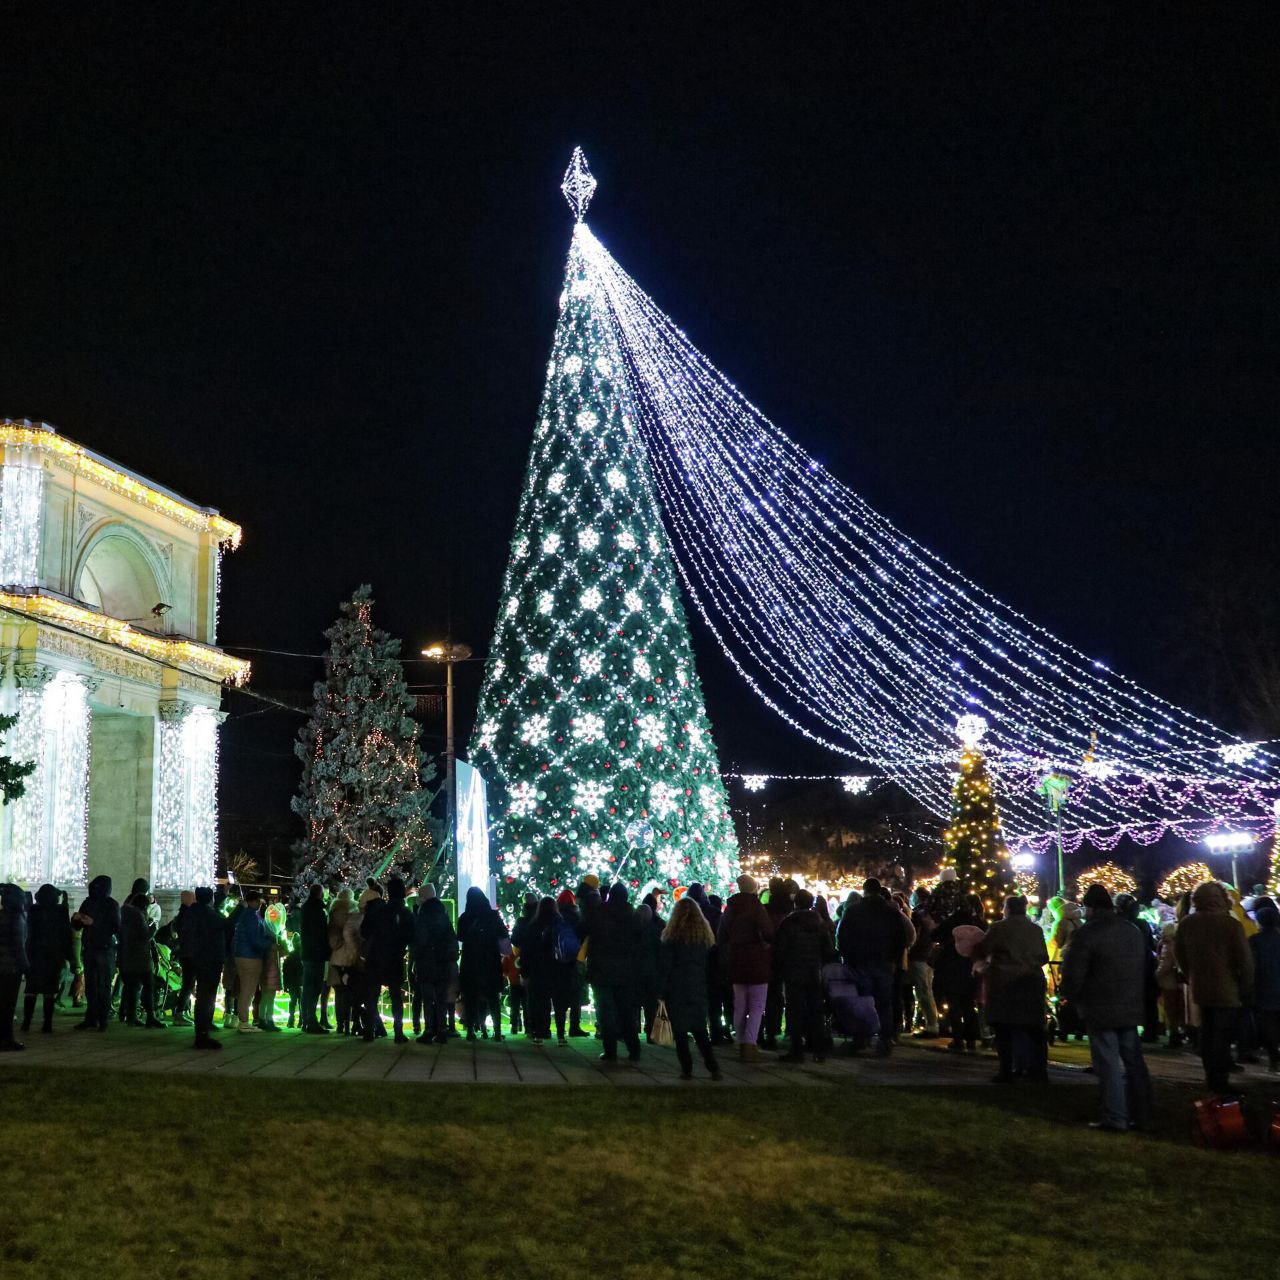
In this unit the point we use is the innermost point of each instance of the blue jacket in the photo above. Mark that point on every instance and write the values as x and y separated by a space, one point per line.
253 941
1266 969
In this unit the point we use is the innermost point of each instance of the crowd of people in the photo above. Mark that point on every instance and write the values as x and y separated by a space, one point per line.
762 972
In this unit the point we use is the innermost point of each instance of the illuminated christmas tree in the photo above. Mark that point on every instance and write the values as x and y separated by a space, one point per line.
361 794
972 842
591 730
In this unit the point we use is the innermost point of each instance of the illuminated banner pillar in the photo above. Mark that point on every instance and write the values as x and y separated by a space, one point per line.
185 828
473 833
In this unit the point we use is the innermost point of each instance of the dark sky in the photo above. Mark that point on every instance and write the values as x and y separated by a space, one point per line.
1015 281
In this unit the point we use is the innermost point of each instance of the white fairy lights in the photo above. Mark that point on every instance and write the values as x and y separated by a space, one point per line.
21 497
871 644
185 834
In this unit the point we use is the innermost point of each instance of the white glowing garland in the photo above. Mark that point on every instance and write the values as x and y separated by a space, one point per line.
870 643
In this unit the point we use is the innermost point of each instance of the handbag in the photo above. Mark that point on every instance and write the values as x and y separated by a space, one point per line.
662 1033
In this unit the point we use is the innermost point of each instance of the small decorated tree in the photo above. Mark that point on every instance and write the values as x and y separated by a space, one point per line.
13 773
972 842
361 795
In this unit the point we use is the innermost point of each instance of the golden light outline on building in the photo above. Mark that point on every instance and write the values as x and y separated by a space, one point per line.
78 458
200 658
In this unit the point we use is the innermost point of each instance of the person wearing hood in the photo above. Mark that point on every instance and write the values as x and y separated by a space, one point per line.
873 938
745 940
204 950
573 978
99 920
137 965
802 945
341 957
435 964
480 930
14 961
314 955
49 949
1103 972
1211 950
613 951
387 930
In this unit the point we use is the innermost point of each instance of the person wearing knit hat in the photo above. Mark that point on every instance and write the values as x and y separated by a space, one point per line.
591 882
566 898
1104 976
747 885
427 892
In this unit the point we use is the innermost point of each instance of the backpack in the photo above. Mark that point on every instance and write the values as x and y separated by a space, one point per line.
565 945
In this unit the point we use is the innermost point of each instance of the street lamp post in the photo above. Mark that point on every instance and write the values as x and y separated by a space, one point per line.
1233 842
449 654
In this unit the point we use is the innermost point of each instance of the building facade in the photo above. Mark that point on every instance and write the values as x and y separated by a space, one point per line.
109 660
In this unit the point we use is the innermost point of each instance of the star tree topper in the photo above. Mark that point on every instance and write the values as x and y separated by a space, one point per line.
578 185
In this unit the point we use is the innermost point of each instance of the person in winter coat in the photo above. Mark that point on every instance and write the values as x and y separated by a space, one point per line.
177 928
1265 949
920 965
1211 950
682 980
435 964
137 964
1104 974
99 920
357 984
573 975
954 983
537 970
49 949
314 955
1015 953
251 946
341 958
1128 907
14 961
717 982
647 967
873 937
778 907
480 929
745 939
387 931
1173 991
205 945
613 949
801 946
517 986
269 981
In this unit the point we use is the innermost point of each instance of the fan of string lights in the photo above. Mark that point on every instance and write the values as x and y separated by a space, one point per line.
872 645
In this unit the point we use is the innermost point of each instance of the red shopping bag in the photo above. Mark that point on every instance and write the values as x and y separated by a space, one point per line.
1219 1123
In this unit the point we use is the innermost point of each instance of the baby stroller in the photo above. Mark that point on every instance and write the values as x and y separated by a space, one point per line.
853 1015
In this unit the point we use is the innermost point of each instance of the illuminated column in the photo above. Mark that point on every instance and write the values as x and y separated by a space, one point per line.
49 826
21 498
185 818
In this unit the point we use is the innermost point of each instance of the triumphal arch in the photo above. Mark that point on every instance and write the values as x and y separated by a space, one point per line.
109 660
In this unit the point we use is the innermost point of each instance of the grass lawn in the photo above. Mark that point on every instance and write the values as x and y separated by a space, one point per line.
109 1175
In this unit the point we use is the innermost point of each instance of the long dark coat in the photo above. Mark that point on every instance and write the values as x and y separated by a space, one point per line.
682 981
50 942
480 929
745 939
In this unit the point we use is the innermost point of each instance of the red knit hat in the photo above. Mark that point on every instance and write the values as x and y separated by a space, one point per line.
566 898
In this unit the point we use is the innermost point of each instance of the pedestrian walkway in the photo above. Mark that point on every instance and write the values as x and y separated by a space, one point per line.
289 1054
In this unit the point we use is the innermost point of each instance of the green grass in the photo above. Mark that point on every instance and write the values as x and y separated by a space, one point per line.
124 1175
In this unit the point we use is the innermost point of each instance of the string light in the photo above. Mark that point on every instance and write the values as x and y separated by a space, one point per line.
1113 879
1183 879
871 644
200 658
21 500
185 836
43 438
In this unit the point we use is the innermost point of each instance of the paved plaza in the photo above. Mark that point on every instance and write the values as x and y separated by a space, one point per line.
289 1054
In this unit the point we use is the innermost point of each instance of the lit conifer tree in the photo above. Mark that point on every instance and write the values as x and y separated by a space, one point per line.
972 843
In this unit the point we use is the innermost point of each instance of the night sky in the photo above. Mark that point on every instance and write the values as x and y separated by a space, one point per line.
1013 281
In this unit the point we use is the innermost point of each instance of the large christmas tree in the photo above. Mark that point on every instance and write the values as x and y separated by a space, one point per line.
972 842
591 730
361 795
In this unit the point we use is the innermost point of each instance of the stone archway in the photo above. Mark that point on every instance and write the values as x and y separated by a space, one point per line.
120 576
